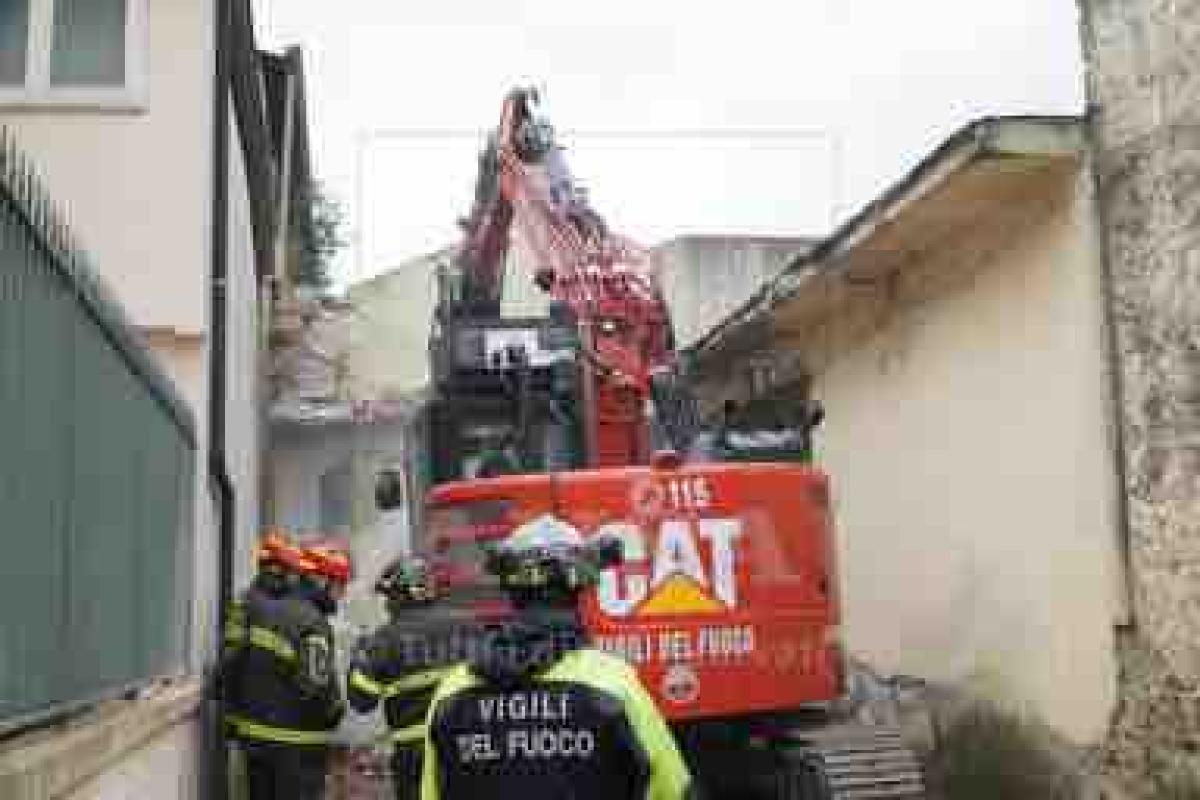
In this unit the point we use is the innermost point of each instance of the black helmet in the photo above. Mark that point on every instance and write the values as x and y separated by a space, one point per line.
407 581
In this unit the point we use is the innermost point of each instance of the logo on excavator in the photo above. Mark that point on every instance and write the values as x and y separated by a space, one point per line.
675 578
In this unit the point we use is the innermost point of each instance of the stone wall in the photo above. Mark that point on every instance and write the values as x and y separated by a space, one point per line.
1143 60
143 746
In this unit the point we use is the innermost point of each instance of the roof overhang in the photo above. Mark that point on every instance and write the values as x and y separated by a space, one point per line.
991 168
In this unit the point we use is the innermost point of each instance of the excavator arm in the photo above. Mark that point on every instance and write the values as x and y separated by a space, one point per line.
525 191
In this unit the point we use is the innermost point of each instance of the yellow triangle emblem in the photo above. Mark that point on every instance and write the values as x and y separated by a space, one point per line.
679 595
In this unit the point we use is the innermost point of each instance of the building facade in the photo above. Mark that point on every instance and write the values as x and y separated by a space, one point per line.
705 278
149 126
954 331
388 331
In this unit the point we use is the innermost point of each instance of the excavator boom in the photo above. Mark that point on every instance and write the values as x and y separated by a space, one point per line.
526 197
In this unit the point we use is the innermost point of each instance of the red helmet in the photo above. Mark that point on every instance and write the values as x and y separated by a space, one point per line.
329 560
274 549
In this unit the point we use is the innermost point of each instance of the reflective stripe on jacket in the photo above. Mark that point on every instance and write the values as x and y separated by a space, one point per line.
583 728
401 665
278 670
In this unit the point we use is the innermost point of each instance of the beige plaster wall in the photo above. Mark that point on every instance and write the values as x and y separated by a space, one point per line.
974 480
135 184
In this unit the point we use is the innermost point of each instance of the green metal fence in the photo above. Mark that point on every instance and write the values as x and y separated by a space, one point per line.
96 465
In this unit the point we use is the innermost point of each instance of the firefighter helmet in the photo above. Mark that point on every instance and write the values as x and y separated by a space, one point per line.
548 554
329 561
407 580
276 552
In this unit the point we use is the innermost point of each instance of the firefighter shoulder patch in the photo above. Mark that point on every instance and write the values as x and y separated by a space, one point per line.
318 661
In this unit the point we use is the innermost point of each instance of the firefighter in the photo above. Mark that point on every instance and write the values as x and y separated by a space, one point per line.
401 663
278 563
281 694
536 713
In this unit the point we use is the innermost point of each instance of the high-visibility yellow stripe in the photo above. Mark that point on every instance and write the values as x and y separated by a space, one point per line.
250 729
669 778
409 735
361 681
418 680
263 638
271 641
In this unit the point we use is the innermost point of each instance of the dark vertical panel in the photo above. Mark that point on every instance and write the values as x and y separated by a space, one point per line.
96 456
14 41
31 576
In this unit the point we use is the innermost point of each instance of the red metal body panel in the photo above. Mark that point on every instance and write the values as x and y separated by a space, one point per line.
726 602
606 280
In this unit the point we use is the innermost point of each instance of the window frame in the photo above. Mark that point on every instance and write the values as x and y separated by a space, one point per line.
38 92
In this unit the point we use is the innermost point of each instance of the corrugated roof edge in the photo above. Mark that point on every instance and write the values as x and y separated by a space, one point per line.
1015 135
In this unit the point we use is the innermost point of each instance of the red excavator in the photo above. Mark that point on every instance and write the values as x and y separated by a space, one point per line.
727 597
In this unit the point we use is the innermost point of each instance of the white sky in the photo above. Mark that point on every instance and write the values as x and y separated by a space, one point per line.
854 91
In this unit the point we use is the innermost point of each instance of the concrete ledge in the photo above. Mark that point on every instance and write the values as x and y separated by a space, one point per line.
49 763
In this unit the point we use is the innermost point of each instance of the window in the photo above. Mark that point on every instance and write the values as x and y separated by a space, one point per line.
760 378
14 38
335 492
89 43
72 52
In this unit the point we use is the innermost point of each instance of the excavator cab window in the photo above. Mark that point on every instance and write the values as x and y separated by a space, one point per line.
765 432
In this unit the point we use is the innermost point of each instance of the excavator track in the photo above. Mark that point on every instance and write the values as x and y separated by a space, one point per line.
852 763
